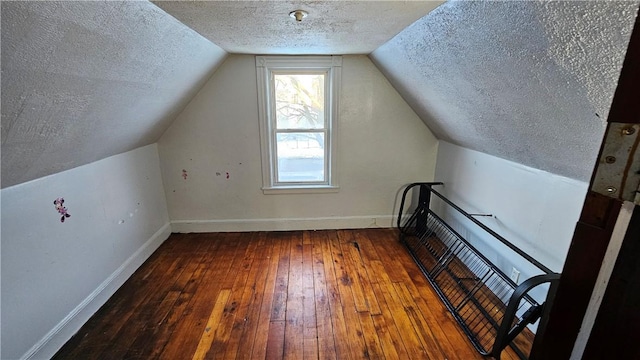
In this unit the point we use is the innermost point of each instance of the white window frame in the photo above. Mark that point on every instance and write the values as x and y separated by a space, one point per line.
266 67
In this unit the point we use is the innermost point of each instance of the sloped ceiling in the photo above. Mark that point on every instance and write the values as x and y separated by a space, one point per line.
528 81
331 27
82 81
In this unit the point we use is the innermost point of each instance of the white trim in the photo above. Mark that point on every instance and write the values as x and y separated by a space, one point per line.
301 190
319 223
609 261
265 67
70 324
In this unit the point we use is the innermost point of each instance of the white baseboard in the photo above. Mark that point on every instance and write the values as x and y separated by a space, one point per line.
65 329
320 223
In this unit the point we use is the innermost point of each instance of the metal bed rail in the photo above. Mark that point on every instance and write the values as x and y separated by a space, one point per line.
491 309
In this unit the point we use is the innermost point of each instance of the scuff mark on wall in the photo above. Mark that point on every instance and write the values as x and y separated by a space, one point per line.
184 174
227 174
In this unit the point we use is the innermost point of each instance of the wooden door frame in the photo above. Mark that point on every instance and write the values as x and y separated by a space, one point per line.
557 335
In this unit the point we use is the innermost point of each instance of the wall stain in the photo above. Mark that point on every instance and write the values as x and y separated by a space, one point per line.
184 174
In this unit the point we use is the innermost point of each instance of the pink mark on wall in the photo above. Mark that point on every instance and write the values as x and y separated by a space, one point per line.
184 174
59 204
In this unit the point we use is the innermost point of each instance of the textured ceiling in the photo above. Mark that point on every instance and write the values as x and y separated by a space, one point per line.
264 27
82 81
527 81
522 80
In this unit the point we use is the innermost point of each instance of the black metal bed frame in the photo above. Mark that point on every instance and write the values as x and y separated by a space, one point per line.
490 308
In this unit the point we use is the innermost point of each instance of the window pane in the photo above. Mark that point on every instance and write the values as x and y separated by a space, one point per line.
299 101
300 157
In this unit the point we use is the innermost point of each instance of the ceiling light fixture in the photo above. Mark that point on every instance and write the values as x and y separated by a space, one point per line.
298 15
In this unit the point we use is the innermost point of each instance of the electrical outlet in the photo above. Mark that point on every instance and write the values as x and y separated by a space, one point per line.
515 275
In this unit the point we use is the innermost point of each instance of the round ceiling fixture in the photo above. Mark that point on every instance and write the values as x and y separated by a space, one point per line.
298 15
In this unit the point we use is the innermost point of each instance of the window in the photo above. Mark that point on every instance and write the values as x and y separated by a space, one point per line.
298 107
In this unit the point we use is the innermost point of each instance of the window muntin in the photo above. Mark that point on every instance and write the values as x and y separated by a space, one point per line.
298 108
299 112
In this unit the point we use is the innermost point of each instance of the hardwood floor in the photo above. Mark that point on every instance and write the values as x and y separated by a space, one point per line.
346 294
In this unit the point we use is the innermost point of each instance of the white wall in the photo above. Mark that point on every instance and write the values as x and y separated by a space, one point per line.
56 275
382 145
535 210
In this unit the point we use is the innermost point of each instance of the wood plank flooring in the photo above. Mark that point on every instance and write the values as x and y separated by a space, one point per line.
335 294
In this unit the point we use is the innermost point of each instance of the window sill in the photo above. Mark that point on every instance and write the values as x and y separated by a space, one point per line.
300 190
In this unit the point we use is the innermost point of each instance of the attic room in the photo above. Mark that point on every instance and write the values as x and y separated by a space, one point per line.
124 122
